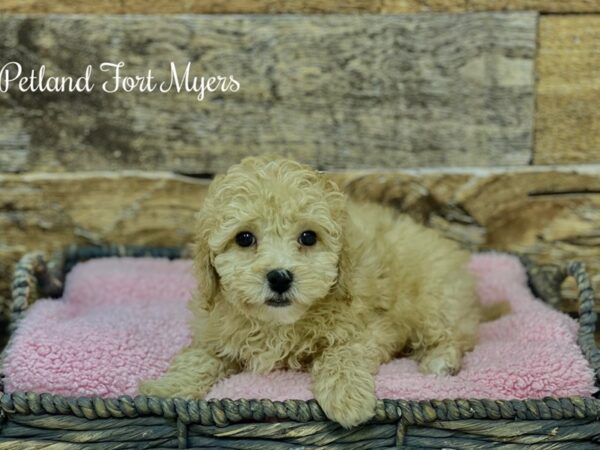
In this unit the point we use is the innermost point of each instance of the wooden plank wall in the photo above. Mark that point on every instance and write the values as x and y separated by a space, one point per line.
532 185
421 90
299 6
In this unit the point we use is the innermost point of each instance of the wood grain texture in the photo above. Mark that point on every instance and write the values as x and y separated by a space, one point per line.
335 91
297 6
568 92
544 6
550 214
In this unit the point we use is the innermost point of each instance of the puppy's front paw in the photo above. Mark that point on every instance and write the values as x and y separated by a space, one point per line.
169 387
347 403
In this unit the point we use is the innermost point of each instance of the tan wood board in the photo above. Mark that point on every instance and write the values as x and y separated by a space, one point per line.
568 91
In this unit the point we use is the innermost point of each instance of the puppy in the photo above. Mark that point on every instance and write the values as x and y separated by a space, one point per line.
292 274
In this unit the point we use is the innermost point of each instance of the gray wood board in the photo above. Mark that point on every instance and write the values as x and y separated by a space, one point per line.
337 91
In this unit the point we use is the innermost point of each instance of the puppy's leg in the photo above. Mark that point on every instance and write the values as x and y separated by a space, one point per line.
191 375
442 352
343 383
450 321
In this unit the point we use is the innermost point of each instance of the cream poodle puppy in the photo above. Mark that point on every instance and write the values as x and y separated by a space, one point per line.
292 274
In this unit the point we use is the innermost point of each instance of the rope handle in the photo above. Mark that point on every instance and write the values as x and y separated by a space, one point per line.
32 278
586 337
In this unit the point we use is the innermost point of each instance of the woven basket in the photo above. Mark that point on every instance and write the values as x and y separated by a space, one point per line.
40 420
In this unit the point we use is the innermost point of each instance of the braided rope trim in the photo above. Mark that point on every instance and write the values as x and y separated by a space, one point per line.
24 285
587 316
227 411
75 254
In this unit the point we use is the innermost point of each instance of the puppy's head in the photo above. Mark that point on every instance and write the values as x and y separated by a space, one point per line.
269 239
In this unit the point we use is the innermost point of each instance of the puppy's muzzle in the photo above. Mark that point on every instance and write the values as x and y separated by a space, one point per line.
280 280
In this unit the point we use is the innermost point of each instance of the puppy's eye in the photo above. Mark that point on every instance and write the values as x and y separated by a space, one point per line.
308 238
245 239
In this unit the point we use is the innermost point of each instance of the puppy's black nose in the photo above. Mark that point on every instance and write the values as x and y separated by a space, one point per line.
280 280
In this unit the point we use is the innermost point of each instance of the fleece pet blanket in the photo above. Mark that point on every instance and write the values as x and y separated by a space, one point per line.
121 320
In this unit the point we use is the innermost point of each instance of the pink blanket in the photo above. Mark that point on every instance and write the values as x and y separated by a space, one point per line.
121 321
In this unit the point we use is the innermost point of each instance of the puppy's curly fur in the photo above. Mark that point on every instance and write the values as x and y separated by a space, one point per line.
374 285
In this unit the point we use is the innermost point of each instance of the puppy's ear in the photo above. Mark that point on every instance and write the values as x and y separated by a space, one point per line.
206 274
344 267
337 202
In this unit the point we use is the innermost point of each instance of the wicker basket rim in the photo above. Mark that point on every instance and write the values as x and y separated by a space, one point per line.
33 271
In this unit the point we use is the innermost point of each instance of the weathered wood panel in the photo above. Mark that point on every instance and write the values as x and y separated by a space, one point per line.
568 92
550 214
335 91
297 6
545 6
